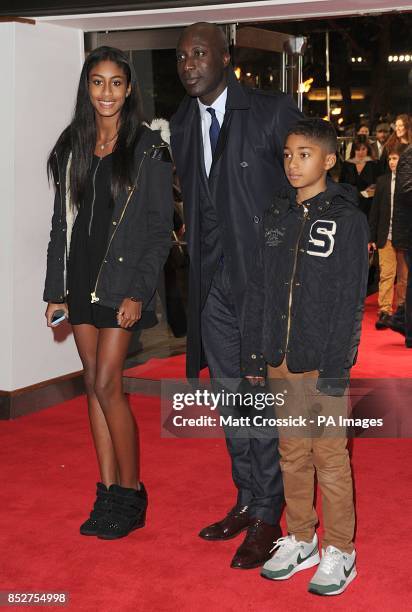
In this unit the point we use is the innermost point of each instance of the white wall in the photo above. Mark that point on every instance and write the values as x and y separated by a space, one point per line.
43 65
6 202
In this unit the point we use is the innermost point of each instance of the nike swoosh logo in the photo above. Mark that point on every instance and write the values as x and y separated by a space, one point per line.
301 559
349 570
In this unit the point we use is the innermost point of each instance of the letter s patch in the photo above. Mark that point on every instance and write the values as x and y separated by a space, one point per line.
321 240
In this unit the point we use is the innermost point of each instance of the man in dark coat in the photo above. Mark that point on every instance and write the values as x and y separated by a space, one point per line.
402 238
227 143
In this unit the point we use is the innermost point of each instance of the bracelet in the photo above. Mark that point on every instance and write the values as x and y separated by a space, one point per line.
135 299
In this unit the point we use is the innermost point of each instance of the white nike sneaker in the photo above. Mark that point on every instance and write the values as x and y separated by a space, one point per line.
290 557
336 570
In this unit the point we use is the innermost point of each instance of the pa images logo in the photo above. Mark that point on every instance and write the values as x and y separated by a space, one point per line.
274 237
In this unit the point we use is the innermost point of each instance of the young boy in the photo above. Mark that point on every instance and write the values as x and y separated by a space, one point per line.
305 305
392 263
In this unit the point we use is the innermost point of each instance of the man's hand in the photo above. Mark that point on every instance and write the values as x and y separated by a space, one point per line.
372 247
129 312
51 309
256 381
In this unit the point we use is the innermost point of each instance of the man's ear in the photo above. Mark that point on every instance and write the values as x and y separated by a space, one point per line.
330 161
226 60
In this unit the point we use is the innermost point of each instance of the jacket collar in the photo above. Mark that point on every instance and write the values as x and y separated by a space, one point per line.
322 201
237 96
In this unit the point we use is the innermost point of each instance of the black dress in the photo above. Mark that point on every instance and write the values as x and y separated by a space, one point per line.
360 180
88 247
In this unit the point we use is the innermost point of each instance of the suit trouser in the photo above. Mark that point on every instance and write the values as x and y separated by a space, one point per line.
392 265
255 460
300 457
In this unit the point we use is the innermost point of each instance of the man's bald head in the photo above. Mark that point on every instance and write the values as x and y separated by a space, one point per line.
202 60
208 30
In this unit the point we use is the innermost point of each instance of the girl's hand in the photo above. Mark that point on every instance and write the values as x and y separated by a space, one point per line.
129 312
51 309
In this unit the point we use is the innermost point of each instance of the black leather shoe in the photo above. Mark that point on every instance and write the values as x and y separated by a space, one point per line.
383 321
257 545
235 521
99 513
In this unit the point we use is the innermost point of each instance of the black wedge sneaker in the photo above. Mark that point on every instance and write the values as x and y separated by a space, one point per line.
99 513
128 512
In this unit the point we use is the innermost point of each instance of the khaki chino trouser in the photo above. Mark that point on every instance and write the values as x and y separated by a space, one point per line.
392 265
328 455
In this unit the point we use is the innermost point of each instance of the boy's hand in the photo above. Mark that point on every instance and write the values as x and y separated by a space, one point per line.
256 381
372 247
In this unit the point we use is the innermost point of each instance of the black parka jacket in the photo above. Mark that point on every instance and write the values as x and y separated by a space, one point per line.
380 213
305 298
402 202
140 232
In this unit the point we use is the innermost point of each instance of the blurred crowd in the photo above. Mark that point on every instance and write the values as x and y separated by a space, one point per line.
379 166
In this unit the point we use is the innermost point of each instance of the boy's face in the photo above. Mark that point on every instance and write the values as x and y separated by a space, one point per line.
393 161
306 162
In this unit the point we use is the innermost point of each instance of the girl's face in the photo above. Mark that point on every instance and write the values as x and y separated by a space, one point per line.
362 152
108 88
400 128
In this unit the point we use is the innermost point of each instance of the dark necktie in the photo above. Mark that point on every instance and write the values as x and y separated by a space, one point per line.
214 129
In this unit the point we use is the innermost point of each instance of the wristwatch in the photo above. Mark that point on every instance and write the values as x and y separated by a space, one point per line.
135 299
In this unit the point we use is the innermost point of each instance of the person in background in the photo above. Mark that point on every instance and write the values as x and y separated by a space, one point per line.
392 265
378 146
402 239
363 130
361 171
402 134
111 232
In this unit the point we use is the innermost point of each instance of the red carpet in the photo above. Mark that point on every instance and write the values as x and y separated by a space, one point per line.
48 486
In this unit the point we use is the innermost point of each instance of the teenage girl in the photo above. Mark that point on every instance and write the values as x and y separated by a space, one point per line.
110 237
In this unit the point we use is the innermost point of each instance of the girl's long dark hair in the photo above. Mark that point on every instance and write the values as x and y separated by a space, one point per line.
80 136
393 139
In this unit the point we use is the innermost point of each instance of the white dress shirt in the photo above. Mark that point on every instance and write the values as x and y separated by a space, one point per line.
206 120
392 194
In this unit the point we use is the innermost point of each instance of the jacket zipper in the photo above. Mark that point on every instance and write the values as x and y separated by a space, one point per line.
94 195
61 219
93 293
305 214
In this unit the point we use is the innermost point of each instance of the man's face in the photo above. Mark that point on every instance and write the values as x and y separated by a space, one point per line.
306 161
381 136
201 63
393 161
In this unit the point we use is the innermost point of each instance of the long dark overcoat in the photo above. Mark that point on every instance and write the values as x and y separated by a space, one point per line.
249 163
